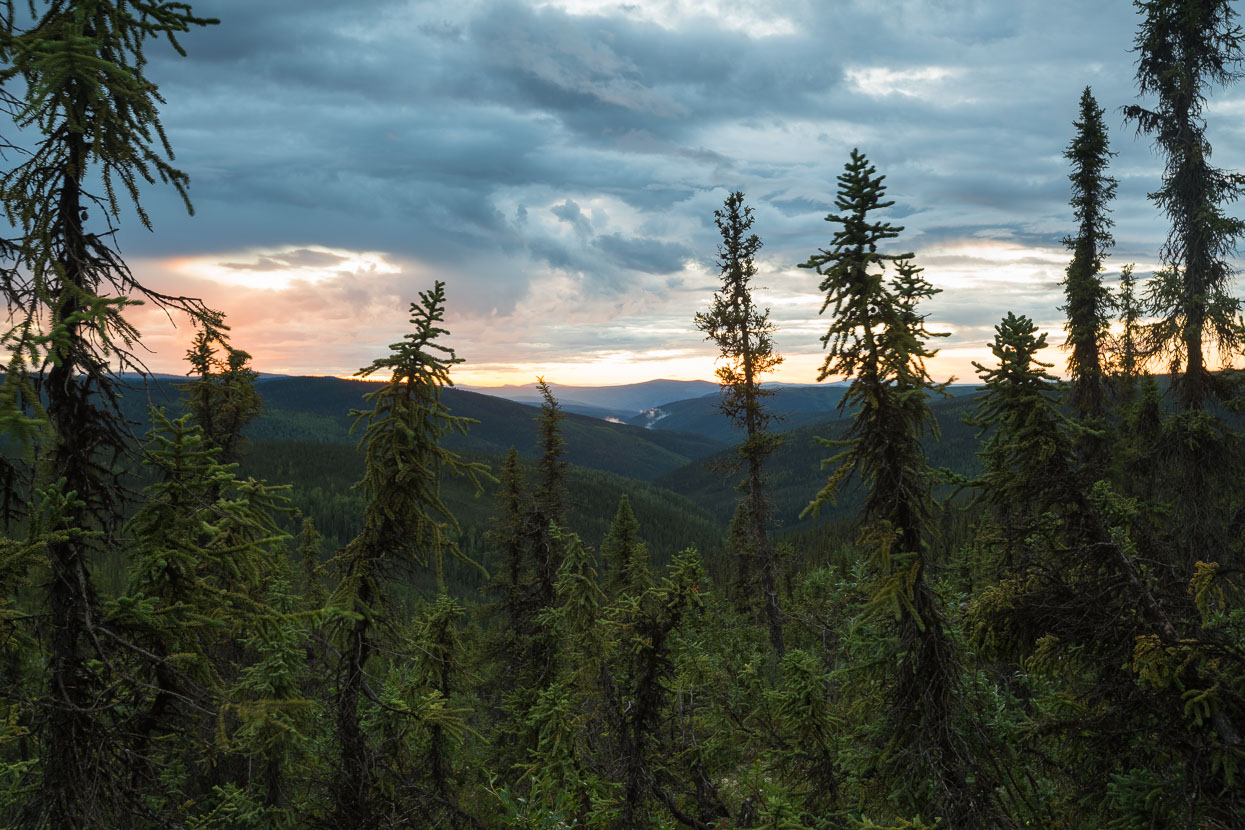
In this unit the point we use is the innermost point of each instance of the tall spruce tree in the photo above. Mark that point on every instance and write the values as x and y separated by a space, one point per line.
405 526
1184 48
877 339
94 115
744 335
1088 301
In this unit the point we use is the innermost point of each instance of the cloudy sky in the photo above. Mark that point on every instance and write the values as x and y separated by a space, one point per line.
558 164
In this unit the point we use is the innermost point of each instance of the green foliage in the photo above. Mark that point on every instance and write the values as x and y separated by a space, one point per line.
405 522
878 339
624 554
1126 348
1029 451
206 573
222 399
741 330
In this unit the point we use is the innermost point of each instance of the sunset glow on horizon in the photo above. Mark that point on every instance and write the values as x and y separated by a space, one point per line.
273 279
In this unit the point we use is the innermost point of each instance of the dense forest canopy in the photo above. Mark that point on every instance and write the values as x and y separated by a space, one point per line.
321 603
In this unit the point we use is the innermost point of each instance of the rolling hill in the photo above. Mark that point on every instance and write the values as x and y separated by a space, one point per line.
316 410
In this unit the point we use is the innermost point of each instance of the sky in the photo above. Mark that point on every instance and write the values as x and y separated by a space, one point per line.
558 163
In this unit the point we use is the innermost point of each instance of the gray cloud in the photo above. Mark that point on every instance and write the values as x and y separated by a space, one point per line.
649 255
570 213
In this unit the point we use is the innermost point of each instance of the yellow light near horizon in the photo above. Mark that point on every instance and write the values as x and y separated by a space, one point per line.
276 270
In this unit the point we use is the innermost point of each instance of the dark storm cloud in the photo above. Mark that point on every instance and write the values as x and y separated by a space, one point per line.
499 144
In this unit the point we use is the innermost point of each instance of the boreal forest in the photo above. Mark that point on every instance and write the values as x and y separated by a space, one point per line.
882 602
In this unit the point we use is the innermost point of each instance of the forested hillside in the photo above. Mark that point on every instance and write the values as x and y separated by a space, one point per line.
322 479
797 460
388 603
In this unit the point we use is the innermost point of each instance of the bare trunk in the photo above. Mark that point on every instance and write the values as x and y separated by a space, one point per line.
74 771
354 786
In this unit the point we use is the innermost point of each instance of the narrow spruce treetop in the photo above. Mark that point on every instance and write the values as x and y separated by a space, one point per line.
1127 358
1027 432
1087 300
1184 47
83 65
624 554
741 330
744 336
97 117
853 270
405 520
221 398
551 469
878 340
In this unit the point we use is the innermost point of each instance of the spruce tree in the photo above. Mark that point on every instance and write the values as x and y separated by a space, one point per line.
94 117
549 500
742 555
744 335
1087 299
558 711
433 686
509 536
1030 449
878 340
1127 358
641 665
222 397
1185 48
406 525
206 550
534 548
624 554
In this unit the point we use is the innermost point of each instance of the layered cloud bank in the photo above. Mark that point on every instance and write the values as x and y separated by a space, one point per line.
558 164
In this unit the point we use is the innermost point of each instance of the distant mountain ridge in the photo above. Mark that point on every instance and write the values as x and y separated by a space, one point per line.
630 398
317 410
794 406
